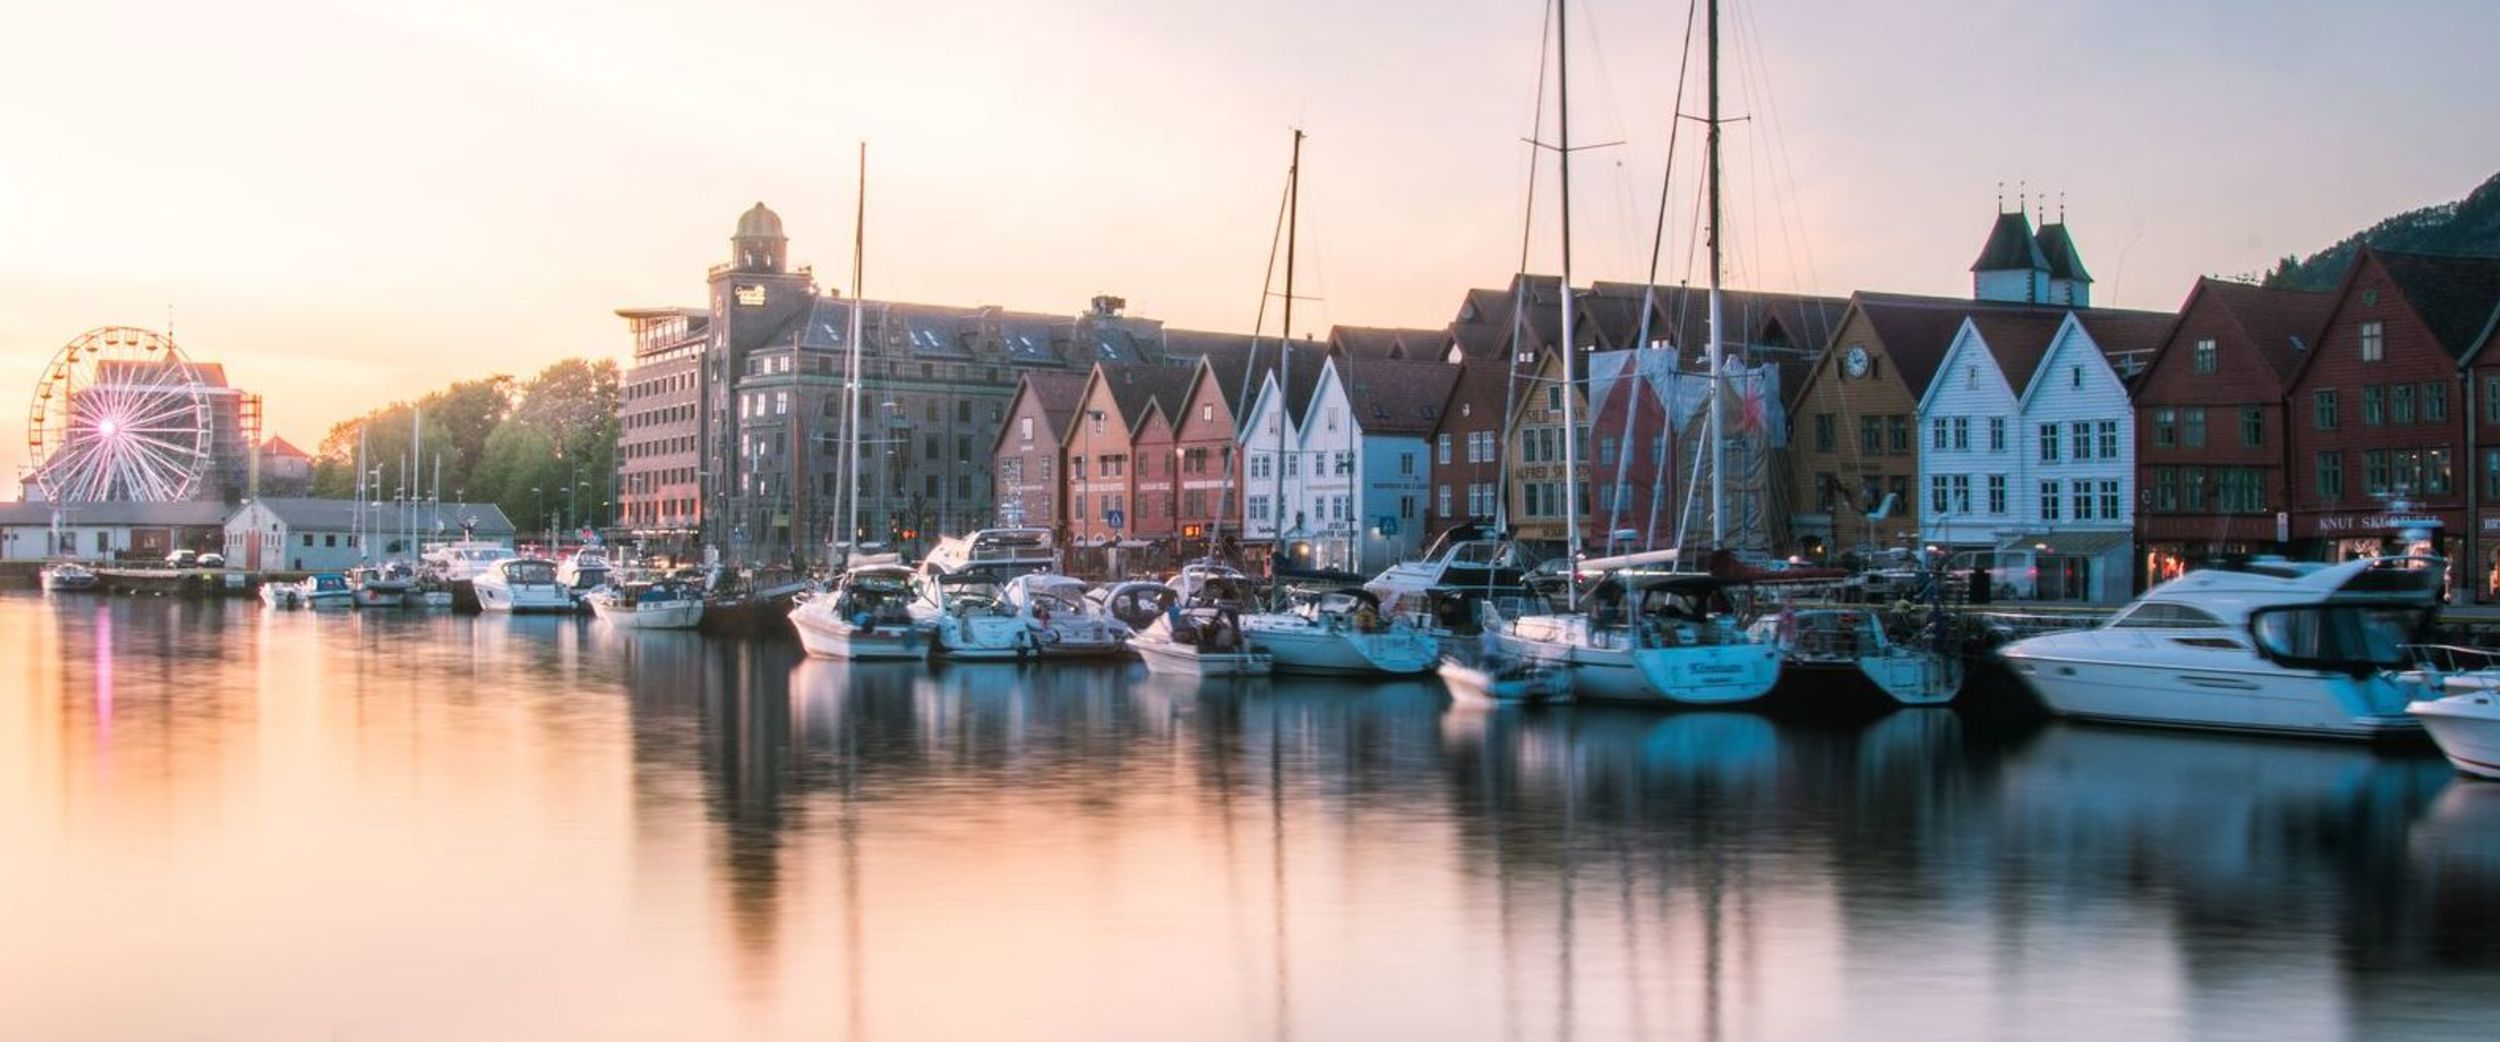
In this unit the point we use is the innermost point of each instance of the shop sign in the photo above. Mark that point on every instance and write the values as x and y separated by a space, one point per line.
2491 522
2374 522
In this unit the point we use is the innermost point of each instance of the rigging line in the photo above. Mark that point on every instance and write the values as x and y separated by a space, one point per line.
1649 300
1778 133
1250 361
1519 283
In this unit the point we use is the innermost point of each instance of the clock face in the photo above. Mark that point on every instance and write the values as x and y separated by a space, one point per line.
1855 361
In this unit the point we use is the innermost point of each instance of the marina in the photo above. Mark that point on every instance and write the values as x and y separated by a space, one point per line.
555 828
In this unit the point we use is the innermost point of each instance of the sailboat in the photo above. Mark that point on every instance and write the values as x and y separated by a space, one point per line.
867 613
1645 631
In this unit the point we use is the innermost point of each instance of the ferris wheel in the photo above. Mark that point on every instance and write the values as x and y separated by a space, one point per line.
119 415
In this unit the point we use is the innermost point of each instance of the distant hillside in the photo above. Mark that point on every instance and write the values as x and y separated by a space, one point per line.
2469 225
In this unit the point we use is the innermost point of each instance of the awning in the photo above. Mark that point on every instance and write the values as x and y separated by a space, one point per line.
2073 544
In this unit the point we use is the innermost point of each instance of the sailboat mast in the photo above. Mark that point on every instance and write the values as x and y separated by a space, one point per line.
1718 349
1570 347
859 251
1284 343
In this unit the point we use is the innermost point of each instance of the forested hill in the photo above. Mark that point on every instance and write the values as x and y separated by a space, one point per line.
2469 225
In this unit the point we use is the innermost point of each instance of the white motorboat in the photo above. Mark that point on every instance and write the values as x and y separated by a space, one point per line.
1341 632
1062 620
648 606
1655 637
968 619
2466 727
319 590
1487 676
587 568
867 615
387 585
1202 641
2273 646
1001 552
1826 652
68 577
462 561
1135 602
1438 592
522 585
1210 583
282 595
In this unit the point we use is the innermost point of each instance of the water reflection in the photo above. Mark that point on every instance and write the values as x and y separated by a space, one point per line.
556 830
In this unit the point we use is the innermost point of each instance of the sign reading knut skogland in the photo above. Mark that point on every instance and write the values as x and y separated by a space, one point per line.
2375 522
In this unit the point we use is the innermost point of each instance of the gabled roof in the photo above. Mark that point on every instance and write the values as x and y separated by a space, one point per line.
1476 394
1057 393
1915 332
2058 248
1390 396
341 515
186 514
277 446
1136 389
1388 342
2011 246
2454 295
2018 341
2281 325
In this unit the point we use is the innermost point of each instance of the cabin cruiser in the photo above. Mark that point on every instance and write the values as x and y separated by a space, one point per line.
2466 727
1465 566
1001 552
462 561
1061 620
961 593
318 590
1340 632
2271 646
866 615
587 568
386 585
522 585
661 605
1212 583
1828 651
1200 640
68 577
1647 635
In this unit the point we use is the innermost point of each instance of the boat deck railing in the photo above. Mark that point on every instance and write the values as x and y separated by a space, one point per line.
2453 658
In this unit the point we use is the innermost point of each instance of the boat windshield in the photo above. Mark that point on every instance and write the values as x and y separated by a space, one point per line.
2343 637
529 572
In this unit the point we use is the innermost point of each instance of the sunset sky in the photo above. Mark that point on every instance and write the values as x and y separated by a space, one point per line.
348 202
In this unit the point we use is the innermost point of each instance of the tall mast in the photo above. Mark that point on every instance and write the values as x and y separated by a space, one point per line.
1570 347
859 252
1284 344
1718 351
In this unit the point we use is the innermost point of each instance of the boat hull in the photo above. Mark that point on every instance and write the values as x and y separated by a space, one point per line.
1176 659
375 597
2236 695
2466 728
526 599
1316 650
825 636
663 615
1698 674
1476 683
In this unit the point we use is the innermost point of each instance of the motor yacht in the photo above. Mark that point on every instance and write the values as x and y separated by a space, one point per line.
866 615
2270 646
522 585
1645 635
1135 602
1340 632
587 568
386 585
455 567
661 605
960 593
1466 565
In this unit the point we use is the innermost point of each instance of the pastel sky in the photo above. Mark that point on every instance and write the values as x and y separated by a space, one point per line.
349 202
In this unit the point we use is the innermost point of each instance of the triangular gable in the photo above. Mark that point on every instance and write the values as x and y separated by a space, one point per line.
2059 355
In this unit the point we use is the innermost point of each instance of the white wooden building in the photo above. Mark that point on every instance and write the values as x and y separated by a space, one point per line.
336 534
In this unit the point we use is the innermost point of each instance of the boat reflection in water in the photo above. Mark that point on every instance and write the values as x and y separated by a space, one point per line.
563 831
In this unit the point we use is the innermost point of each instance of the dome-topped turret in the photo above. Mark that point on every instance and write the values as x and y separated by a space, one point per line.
759 244
759 222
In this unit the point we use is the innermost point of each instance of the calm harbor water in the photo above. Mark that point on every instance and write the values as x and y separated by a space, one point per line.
220 823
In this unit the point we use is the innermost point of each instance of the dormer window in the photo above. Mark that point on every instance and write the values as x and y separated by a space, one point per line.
2206 357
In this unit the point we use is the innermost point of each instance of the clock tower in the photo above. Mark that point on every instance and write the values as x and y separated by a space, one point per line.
758 304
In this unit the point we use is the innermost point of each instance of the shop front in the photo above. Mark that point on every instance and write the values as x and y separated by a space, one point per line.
2393 533
2174 544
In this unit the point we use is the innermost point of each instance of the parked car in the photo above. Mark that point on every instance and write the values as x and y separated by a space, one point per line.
183 559
212 559
2012 573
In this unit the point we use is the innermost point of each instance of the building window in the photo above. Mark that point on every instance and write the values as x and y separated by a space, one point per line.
2165 428
1900 426
2192 429
2083 500
2491 474
1824 437
2083 439
1961 493
1025 424
1936 501
2165 489
2434 402
2109 499
1996 434
1870 435
2373 341
2252 426
1406 463
2438 474
2048 501
1939 436
2192 489
2400 404
2491 399
1553 399
2322 410
2204 356
1441 450
1996 494
2373 405
2374 472
1606 449
1441 502
1961 432
2048 443
2109 439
